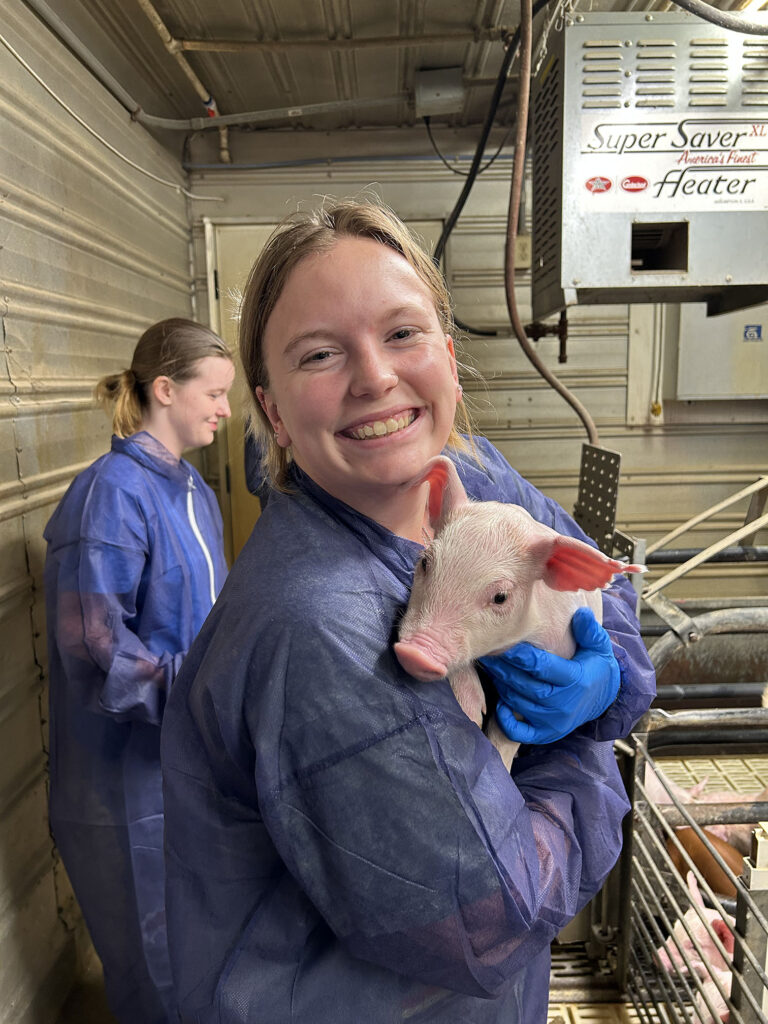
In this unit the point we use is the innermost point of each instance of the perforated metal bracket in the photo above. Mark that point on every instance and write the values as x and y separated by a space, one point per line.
595 509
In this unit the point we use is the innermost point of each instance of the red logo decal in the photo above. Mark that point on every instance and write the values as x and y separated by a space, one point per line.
634 183
598 184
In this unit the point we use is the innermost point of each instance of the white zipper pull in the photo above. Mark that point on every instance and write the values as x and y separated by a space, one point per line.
199 536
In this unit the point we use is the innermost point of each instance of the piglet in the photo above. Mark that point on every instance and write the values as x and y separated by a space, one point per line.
680 952
492 577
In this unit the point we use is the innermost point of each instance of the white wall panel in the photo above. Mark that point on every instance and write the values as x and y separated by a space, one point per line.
92 252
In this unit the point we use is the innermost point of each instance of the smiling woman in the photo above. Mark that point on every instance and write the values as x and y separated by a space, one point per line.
362 382
342 842
313 236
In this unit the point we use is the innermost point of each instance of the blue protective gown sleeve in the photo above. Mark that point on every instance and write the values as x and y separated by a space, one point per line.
110 575
342 843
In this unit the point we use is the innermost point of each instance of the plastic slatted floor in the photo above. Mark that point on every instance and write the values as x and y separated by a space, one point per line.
598 1013
741 774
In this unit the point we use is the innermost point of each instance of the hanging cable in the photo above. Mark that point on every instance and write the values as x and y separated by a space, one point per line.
518 174
91 131
512 42
474 330
454 170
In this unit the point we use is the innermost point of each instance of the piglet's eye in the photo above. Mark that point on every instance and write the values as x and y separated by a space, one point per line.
499 598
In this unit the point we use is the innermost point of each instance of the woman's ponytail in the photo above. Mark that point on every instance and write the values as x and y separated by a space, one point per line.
121 392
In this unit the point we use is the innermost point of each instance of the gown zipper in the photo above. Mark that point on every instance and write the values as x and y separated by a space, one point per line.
199 536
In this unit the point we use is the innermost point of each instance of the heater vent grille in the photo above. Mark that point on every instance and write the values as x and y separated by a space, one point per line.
754 75
548 159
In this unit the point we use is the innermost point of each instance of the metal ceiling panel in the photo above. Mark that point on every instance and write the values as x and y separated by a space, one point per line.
270 56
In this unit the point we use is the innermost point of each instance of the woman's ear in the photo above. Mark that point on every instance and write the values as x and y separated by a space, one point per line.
272 413
162 390
452 357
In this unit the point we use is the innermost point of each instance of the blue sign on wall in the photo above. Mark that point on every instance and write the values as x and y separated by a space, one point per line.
753 332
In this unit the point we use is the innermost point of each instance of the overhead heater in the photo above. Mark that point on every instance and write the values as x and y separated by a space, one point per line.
650 164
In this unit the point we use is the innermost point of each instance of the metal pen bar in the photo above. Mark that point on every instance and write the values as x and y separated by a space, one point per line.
686 927
738 554
657 986
642 978
664 977
679 530
717 814
702 556
715 719
738 884
738 939
709 691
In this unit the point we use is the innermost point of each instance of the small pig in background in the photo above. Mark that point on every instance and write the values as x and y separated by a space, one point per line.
680 952
492 577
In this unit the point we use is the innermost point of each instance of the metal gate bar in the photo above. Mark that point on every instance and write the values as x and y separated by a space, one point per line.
683 986
749 901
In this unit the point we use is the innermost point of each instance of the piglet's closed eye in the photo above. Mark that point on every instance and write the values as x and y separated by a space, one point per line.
573 565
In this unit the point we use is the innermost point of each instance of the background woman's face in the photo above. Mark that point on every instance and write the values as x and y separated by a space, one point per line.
199 403
362 377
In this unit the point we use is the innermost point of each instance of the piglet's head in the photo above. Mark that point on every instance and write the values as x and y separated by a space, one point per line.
563 563
482 584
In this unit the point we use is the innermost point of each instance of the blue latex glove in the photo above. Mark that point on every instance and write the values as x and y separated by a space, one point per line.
555 695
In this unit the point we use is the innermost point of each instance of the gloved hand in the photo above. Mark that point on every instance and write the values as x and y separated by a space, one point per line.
555 695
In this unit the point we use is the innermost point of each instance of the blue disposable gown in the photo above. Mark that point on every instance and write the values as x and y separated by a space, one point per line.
128 585
342 843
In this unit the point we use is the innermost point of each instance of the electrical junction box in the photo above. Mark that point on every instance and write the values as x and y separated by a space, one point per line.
438 92
650 163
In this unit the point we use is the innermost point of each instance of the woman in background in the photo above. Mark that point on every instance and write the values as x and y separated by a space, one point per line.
135 561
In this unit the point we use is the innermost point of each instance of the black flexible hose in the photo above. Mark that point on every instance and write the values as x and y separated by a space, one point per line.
501 81
725 19
474 330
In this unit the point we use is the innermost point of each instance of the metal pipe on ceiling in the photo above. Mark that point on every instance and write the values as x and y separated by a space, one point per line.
170 44
50 18
202 91
54 22
295 112
360 43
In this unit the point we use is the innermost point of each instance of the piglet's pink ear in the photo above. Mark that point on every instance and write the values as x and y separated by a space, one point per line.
446 491
573 565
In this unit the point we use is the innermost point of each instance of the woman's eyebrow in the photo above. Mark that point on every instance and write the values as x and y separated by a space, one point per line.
326 333
314 333
398 311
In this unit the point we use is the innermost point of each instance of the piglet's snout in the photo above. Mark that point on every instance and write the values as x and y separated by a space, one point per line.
419 662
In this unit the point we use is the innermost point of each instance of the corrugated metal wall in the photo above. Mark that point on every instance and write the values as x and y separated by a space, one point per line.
673 465
92 252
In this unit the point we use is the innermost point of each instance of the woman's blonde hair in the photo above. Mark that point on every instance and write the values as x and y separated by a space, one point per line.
171 348
308 233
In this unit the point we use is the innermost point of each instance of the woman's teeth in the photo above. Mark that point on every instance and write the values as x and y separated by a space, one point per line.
381 427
